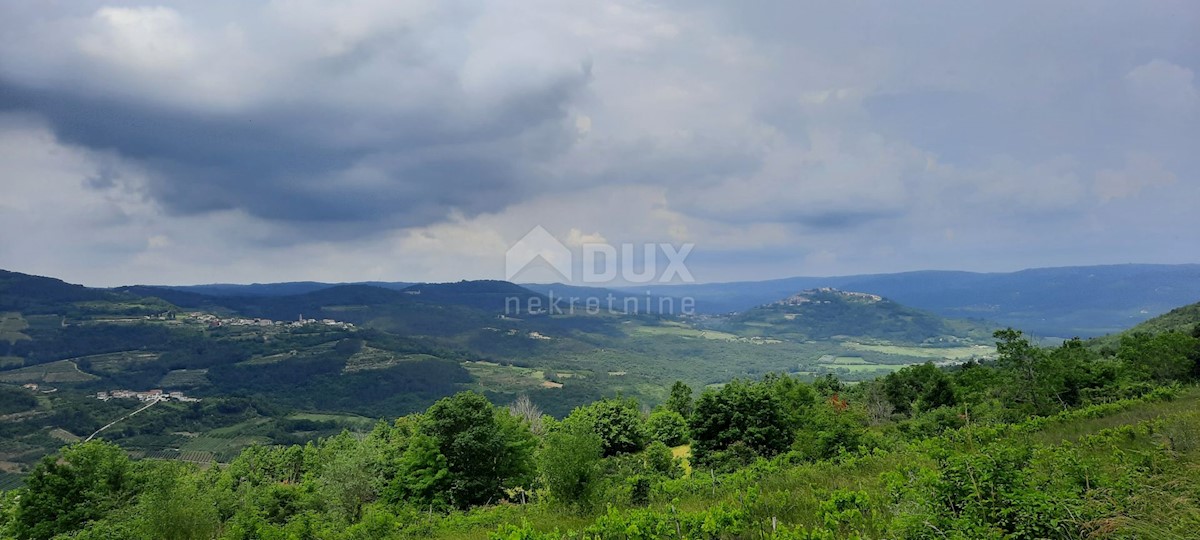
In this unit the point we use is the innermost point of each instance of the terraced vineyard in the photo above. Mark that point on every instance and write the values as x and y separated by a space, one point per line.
118 361
185 378
62 371
10 481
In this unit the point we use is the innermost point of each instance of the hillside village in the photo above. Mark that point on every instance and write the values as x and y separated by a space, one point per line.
146 396
213 321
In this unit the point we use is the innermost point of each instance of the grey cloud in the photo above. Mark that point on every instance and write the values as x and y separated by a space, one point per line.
825 122
296 160
279 166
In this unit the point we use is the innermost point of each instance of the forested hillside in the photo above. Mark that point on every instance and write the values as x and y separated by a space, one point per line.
1061 442
288 367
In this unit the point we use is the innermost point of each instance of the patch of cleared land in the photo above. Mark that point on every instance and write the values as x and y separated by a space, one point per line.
11 327
8 362
684 453
492 376
372 358
62 371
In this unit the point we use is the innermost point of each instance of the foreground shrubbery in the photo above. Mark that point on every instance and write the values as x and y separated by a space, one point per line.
1044 443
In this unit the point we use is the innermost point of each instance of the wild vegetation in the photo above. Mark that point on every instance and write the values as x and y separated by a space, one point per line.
1061 442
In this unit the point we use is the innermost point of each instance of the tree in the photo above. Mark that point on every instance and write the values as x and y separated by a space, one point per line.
179 509
1068 371
422 476
879 408
8 509
660 460
618 423
680 399
1161 358
795 397
486 450
921 387
84 483
525 409
748 415
349 474
667 427
1021 360
828 385
569 464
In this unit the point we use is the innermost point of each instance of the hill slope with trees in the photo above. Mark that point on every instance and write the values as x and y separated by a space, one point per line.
1059 442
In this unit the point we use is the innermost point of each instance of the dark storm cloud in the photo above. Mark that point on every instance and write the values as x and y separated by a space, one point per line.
407 146
288 163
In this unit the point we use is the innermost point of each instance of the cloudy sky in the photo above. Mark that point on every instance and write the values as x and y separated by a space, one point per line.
239 141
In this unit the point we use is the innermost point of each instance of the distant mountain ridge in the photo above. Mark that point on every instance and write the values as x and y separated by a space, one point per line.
1080 301
827 313
1083 301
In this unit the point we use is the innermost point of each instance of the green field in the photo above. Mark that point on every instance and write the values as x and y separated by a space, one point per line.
496 377
681 330
946 353
62 371
861 368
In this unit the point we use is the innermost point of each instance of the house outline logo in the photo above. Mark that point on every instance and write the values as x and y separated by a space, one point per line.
538 243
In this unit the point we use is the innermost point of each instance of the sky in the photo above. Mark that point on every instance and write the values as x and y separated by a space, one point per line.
243 141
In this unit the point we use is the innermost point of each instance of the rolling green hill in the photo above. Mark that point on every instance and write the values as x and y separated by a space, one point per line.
827 314
1184 319
1181 319
369 351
